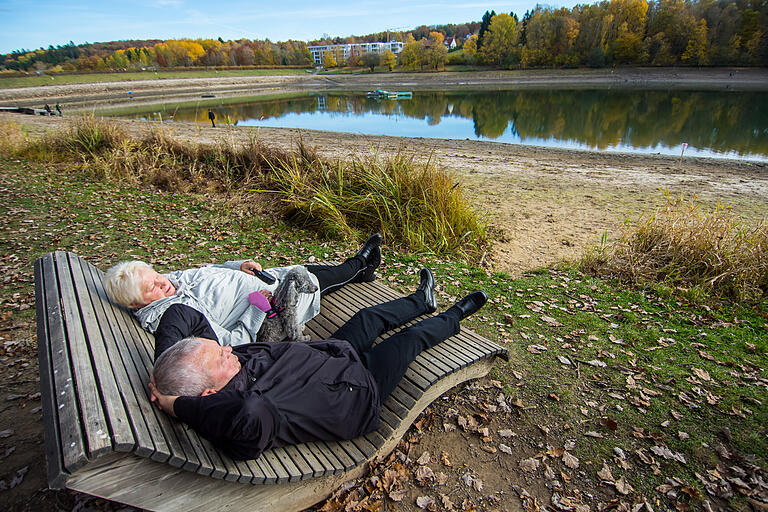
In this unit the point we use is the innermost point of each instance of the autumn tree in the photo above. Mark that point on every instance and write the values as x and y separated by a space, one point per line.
499 44
329 61
388 59
470 48
412 54
436 54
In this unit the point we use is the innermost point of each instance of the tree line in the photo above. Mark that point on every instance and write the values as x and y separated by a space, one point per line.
153 54
626 32
605 33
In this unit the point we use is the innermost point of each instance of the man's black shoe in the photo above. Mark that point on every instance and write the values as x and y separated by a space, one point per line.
427 285
370 249
471 303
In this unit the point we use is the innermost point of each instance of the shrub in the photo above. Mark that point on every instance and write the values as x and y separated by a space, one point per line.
686 245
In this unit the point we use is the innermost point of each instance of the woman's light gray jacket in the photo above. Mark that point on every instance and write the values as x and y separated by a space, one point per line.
220 293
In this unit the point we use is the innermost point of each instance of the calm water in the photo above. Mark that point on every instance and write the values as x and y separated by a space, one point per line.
722 124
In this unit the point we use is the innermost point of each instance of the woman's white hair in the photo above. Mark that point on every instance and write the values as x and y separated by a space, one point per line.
123 282
177 373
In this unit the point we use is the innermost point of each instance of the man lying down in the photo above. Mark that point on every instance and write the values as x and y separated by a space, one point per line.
257 396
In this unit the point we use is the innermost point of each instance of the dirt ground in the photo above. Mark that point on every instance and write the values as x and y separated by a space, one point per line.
547 204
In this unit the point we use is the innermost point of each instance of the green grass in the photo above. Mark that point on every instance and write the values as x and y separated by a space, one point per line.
662 341
84 78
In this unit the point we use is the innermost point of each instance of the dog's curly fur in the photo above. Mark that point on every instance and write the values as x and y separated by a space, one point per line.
286 326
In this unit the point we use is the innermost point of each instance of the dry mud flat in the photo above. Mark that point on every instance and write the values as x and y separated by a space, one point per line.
547 204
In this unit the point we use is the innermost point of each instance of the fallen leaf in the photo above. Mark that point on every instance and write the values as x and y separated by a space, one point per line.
605 474
551 321
570 460
555 452
424 473
424 501
397 495
702 374
623 487
594 434
529 465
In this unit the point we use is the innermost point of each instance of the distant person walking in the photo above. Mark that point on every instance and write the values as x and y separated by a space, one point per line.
48 110
58 109
212 117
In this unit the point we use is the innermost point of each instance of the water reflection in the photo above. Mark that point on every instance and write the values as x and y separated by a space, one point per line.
712 123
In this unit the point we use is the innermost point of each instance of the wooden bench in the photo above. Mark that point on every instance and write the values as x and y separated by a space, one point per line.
103 437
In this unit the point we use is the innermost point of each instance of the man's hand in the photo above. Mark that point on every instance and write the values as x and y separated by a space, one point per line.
249 266
266 293
163 402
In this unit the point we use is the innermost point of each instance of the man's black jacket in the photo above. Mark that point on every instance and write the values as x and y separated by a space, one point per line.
287 393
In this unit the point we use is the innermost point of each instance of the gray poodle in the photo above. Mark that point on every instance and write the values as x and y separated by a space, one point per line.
284 325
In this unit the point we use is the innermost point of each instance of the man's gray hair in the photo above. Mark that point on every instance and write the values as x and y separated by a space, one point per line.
123 282
177 371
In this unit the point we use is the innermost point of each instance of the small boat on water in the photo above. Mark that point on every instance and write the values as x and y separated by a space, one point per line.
389 95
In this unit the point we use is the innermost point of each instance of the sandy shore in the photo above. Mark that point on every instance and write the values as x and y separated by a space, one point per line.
547 204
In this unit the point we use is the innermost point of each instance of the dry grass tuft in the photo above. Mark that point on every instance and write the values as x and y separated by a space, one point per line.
691 247
414 205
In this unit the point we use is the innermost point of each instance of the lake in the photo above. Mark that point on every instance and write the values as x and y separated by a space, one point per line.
712 124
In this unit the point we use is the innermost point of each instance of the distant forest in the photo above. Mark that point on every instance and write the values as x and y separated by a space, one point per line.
606 33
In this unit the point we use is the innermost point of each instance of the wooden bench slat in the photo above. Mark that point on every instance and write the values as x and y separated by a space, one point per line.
94 422
47 325
260 472
270 458
288 463
109 382
150 437
182 450
327 467
304 460
322 449
232 474
403 397
345 461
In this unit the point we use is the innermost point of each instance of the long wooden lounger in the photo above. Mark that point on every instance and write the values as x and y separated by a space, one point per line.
103 437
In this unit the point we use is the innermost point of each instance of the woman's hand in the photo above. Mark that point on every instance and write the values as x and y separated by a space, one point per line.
266 293
249 266
163 402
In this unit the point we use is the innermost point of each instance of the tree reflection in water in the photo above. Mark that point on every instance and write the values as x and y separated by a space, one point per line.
722 122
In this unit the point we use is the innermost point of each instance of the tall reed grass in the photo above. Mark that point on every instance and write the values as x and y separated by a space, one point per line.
690 246
415 205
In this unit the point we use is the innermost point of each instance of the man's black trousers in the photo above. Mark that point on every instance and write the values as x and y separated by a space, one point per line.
389 360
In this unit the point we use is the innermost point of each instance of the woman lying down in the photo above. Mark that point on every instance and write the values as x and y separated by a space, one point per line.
213 301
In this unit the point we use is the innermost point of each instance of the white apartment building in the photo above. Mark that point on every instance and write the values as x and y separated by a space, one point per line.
345 50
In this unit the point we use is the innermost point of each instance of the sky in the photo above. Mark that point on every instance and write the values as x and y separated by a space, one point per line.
31 24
